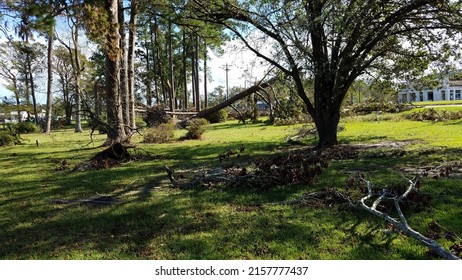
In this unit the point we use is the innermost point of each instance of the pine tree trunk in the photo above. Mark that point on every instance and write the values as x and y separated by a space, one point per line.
123 91
77 73
116 132
193 76
49 83
31 80
196 70
97 99
206 101
131 61
159 64
16 94
148 70
66 99
171 88
185 73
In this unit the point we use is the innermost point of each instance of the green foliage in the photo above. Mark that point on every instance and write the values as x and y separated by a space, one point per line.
140 123
431 114
372 106
96 20
25 127
218 117
10 136
196 128
6 139
290 112
161 133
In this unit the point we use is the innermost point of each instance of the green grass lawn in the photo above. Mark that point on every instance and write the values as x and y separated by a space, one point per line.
153 220
441 102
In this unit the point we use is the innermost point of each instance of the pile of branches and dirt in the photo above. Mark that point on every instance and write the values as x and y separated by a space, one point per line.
260 173
286 169
114 156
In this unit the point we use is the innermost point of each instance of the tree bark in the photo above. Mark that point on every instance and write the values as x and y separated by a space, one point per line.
31 79
159 64
49 83
326 125
123 91
77 73
116 131
196 66
193 75
185 73
148 83
171 88
206 101
131 61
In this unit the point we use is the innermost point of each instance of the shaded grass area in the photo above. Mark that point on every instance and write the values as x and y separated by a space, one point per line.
152 220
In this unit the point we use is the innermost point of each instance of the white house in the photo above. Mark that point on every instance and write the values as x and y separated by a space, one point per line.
15 116
450 90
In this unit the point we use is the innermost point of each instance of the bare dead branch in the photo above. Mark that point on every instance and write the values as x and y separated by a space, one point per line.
402 224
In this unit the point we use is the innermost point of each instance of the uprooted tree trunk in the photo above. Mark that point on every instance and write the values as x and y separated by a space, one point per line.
230 101
402 223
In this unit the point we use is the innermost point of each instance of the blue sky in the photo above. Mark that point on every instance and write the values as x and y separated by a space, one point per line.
238 60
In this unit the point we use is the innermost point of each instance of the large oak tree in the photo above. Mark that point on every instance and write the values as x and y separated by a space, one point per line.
332 42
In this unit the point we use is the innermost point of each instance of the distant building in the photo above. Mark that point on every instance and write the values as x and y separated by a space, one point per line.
450 90
21 116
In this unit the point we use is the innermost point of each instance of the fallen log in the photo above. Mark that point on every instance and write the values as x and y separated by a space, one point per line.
228 102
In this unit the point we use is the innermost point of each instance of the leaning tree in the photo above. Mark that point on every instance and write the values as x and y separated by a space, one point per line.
332 42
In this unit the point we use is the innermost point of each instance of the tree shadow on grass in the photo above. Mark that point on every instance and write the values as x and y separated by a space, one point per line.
177 224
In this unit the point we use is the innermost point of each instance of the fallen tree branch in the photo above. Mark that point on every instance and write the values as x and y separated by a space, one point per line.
231 100
402 223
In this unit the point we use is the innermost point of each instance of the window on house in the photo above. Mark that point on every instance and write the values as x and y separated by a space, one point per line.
430 96
443 95
458 93
421 96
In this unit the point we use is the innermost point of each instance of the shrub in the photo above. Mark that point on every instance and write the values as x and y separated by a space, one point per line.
196 128
372 106
10 136
25 127
304 118
290 112
162 133
140 124
218 117
156 115
58 123
431 114
6 139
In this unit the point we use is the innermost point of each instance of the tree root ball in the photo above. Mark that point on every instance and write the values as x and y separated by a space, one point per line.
116 151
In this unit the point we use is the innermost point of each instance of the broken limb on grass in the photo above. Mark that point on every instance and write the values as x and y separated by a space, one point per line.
402 223
231 100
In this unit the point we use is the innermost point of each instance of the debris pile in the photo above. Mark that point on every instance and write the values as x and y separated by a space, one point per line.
260 173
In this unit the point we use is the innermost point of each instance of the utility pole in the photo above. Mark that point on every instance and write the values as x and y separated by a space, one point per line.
227 68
